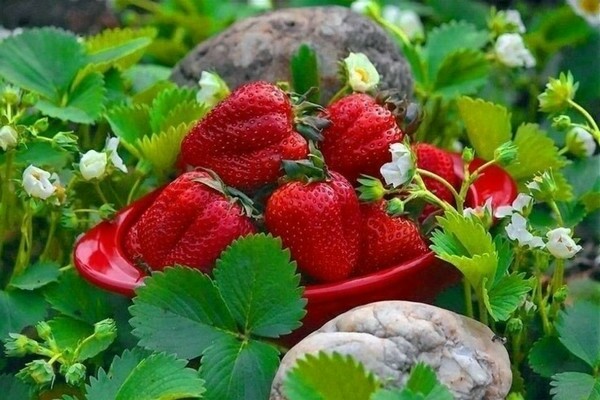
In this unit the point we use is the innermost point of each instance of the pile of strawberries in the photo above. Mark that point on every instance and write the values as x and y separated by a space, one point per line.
238 151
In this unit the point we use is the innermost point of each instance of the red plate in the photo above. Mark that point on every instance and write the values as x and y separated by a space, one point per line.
100 258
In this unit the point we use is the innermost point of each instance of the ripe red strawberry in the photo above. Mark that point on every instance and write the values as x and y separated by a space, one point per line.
386 240
319 223
189 223
438 161
358 139
245 137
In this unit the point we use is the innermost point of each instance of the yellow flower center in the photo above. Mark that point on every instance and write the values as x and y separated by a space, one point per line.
590 6
363 74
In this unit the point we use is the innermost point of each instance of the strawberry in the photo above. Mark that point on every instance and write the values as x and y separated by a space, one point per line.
358 139
189 223
319 223
438 161
245 137
386 240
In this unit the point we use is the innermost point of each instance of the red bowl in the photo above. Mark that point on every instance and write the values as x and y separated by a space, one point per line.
100 258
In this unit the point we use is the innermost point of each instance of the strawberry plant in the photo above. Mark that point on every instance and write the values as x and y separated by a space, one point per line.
292 192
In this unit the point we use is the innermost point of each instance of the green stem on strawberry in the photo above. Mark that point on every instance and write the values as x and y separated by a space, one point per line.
340 93
469 178
424 172
429 196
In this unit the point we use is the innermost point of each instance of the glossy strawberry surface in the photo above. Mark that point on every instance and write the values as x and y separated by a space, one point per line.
386 240
189 223
358 139
245 137
319 223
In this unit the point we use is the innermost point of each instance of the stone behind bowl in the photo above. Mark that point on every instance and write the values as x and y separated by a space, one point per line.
259 48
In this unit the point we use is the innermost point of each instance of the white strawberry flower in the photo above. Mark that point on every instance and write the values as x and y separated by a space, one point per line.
517 230
581 142
93 165
362 75
519 205
212 89
401 169
407 20
588 9
8 137
560 244
510 50
111 151
36 182
481 212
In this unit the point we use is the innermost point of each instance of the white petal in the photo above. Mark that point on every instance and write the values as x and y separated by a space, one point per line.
36 182
93 165
503 211
521 202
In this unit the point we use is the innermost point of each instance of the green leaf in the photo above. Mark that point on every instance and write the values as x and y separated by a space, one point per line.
575 386
396 394
161 150
42 154
579 330
145 76
19 309
465 243
536 152
83 103
305 72
329 377
238 370
423 380
573 213
505 257
506 295
68 332
130 123
548 356
96 343
165 103
14 388
134 376
564 190
43 60
75 297
186 112
180 311
448 38
462 72
487 125
36 276
260 286
120 47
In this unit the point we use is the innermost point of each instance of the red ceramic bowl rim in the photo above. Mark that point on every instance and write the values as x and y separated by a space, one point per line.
115 272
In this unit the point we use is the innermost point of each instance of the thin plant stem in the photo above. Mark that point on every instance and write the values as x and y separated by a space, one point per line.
51 232
556 212
339 93
5 197
134 188
483 313
100 192
24 252
441 180
541 303
589 118
556 283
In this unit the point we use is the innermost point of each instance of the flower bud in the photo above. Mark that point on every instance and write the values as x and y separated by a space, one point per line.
66 141
562 122
8 137
468 154
506 153
105 328
43 330
11 95
561 294
514 325
543 187
39 372
558 94
370 189
19 345
41 125
75 374
30 99
93 165
395 207
580 142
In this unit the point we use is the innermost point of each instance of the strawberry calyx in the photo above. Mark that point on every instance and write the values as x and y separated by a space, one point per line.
306 123
371 189
232 194
312 169
408 114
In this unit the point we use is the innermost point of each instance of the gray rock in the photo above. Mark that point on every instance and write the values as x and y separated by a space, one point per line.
389 337
259 48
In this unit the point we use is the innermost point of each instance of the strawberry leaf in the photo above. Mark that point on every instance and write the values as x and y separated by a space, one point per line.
449 38
487 124
575 385
259 284
68 332
145 76
36 275
331 377
164 104
161 150
462 72
548 356
305 72
186 112
536 152
238 370
130 123
506 295
423 380
135 375
14 388
583 340
83 104
180 311
18 309
120 48
44 60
